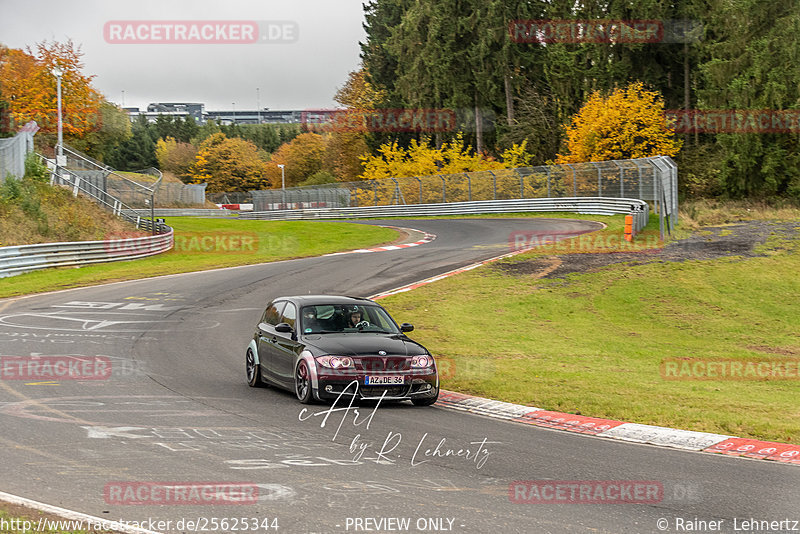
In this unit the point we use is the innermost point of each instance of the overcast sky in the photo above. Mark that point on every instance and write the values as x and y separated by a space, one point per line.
301 74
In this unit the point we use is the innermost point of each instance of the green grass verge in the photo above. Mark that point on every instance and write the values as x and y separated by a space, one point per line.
28 522
202 244
594 343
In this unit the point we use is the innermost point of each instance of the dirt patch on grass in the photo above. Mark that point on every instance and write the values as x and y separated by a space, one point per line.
710 243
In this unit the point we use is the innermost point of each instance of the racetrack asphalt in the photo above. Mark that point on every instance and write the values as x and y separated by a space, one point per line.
176 410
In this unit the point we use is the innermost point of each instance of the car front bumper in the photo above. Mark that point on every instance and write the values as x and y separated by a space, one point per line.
417 384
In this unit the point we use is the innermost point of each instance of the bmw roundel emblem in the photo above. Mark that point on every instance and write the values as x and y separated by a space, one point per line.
382 353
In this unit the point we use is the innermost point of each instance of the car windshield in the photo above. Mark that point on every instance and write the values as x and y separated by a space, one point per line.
341 318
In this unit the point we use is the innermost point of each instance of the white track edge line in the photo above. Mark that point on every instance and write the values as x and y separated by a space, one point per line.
72 515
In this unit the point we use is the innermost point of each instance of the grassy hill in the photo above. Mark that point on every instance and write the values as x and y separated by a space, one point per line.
31 211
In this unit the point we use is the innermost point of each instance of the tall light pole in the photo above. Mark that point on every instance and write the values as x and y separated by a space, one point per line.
283 183
234 112
58 73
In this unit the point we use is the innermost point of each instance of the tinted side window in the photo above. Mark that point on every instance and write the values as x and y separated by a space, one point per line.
289 314
273 312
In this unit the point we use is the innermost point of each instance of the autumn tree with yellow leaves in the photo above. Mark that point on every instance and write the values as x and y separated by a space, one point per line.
176 157
424 159
230 164
629 123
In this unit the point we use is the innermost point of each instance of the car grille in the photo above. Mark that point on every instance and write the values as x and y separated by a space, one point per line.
377 391
371 364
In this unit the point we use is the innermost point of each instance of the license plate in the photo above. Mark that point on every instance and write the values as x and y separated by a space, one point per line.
383 380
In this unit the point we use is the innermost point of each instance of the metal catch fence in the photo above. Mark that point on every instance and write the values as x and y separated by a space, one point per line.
13 151
652 179
81 183
137 189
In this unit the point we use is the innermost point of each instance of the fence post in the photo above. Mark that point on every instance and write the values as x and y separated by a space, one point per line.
548 180
444 189
521 185
420 188
639 168
494 186
469 186
375 190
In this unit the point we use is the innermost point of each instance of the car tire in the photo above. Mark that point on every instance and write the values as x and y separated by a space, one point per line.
427 401
253 370
302 383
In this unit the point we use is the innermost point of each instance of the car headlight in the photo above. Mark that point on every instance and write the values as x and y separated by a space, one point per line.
335 362
421 362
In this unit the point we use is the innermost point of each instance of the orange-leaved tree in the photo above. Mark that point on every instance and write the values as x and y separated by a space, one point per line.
28 85
628 123
347 140
229 164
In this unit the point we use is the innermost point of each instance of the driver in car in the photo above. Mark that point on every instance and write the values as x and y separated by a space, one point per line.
355 318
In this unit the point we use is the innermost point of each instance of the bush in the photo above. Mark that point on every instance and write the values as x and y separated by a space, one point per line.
35 169
699 171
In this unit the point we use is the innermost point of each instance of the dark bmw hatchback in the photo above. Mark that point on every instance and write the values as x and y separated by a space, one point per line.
327 347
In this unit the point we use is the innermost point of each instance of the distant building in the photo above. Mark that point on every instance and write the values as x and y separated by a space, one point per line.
194 110
200 115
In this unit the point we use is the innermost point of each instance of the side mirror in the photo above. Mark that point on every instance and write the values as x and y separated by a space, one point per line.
284 328
406 327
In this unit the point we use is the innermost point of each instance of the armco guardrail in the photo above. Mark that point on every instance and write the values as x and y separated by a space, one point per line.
25 258
589 205
181 212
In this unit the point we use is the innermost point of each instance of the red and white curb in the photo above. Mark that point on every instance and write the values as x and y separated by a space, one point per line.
426 239
609 428
89 522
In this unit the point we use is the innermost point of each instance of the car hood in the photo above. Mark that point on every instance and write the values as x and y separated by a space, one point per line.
363 344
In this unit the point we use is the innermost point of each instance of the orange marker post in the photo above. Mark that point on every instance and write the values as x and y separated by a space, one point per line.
629 228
